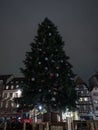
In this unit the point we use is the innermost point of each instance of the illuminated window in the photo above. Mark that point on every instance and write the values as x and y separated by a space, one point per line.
85 99
81 99
7 87
17 86
12 86
12 104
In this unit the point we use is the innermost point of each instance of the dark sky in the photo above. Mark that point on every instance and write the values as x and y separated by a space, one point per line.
77 22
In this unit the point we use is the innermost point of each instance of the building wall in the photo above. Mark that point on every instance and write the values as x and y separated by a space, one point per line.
10 90
94 95
84 102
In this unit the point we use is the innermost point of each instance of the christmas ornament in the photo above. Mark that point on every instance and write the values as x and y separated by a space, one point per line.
50 34
33 79
46 58
51 74
39 62
57 67
57 75
49 90
53 99
40 90
62 61
46 68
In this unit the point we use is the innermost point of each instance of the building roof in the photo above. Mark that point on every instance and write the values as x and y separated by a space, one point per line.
79 81
93 81
4 78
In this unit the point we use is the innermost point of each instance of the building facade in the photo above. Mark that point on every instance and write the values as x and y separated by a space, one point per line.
10 90
93 86
84 103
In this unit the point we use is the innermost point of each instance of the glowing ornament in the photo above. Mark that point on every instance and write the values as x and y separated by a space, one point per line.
57 67
40 49
50 34
46 68
57 75
46 58
62 61
49 90
39 62
51 75
33 79
53 99
40 90
54 93
52 61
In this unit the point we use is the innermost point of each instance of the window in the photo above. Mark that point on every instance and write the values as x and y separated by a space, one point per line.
11 94
85 99
17 86
16 82
12 104
6 104
95 93
7 87
12 86
97 108
5 95
81 99
16 95
95 101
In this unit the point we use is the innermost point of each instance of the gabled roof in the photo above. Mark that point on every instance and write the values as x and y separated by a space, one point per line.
4 78
79 81
93 81
16 80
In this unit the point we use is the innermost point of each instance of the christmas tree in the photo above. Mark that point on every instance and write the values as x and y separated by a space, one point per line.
48 74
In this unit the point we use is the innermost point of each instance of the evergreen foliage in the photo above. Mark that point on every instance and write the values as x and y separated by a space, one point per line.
48 74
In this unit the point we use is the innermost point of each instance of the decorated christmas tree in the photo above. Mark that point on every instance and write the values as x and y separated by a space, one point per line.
48 74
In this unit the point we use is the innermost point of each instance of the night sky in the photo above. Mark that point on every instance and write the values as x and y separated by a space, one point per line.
77 22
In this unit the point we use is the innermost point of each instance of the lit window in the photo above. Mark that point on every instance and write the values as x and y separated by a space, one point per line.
85 99
19 92
7 87
17 86
12 86
81 99
12 104
16 81
5 95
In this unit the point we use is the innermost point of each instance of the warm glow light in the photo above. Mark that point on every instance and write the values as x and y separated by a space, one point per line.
19 93
40 107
